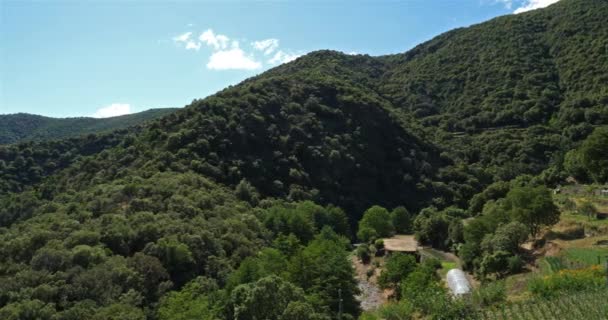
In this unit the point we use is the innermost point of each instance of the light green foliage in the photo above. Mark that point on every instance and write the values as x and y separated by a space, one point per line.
588 305
489 294
586 256
267 298
119 311
391 311
376 223
321 269
191 302
268 262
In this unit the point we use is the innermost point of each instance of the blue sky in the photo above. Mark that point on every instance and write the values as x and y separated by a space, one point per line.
103 58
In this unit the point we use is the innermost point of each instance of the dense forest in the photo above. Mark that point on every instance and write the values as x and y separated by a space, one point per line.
244 205
20 127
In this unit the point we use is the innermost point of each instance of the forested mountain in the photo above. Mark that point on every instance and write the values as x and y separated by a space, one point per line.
22 127
179 215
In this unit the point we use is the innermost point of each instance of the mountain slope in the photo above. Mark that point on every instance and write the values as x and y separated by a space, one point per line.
21 127
519 70
115 222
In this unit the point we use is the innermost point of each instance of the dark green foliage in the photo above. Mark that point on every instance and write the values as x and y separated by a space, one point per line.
492 240
304 219
20 127
363 253
507 237
402 220
398 267
532 206
432 227
590 159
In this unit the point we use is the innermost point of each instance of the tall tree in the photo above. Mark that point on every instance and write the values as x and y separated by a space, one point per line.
532 206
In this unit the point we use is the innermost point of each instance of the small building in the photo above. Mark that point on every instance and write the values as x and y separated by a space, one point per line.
458 283
604 192
402 243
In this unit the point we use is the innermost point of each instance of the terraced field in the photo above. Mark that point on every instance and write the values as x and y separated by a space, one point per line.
583 306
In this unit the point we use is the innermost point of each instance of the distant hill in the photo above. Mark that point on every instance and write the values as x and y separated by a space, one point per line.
21 127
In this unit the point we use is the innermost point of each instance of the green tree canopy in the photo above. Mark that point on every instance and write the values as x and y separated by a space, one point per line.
532 206
377 222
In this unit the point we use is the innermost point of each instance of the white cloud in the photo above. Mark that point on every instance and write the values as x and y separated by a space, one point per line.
193 45
525 5
113 110
232 59
182 37
533 5
282 57
227 54
218 42
267 46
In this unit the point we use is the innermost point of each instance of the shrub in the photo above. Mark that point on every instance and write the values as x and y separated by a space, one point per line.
515 264
398 266
370 272
489 294
363 253
379 244
396 311
568 280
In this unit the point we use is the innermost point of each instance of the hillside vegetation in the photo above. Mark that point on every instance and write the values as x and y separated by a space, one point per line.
20 127
243 205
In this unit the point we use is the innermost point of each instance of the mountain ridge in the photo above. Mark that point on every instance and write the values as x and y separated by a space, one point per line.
20 127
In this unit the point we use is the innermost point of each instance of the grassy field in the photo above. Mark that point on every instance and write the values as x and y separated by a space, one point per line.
447 266
586 256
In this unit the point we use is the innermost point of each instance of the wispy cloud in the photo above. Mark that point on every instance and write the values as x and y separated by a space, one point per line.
525 5
282 57
267 46
113 110
186 41
182 37
227 53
